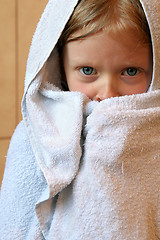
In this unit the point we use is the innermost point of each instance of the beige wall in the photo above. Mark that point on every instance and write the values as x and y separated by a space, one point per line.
18 19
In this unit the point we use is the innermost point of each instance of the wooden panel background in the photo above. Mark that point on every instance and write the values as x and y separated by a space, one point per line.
18 20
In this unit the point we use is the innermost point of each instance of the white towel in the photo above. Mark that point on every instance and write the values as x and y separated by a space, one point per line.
79 169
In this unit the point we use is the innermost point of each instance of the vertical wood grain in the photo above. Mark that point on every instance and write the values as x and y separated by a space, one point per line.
18 20
7 68
7 77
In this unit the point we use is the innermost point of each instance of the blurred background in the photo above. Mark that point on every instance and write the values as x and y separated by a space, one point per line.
18 20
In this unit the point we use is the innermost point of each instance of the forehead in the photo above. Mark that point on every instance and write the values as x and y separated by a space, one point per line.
127 41
108 52
114 31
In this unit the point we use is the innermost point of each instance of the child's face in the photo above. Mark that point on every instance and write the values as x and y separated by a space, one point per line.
104 65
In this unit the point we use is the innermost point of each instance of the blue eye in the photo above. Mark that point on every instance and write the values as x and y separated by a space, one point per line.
87 70
131 71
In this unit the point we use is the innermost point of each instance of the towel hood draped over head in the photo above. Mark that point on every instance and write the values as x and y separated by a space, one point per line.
109 188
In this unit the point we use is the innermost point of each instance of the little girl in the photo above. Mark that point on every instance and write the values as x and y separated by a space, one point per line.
121 63
84 163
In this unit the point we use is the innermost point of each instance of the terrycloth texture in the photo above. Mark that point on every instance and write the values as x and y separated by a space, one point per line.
78 169
22 186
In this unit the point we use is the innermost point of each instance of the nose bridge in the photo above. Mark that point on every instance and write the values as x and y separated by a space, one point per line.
108 89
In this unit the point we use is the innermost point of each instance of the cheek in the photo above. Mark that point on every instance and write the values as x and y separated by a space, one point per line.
81 87
143 87
88 92
137 89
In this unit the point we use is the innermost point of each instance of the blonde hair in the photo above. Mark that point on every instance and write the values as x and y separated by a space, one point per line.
92 16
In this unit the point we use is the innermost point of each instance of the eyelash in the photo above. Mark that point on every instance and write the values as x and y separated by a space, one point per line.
125 72
87 68
137 71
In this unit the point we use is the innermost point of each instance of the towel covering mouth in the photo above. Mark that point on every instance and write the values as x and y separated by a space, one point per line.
115 130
